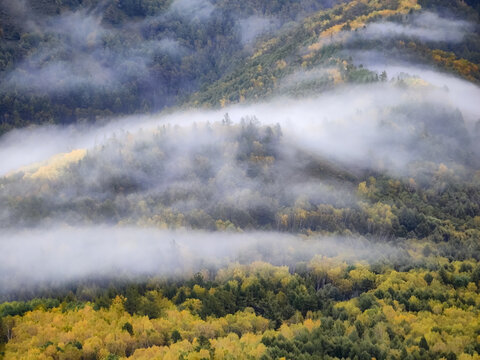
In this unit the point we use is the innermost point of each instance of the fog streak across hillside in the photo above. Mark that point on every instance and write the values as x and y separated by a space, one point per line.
426 26
460 92
323 124
54 256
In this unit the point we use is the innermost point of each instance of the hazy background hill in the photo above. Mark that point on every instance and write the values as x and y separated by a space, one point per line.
69 61
64 61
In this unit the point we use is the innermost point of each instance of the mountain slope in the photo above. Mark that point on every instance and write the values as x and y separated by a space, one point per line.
68 61
72 61
330 38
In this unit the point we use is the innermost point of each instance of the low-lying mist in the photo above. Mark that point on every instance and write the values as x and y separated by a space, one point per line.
380 124
51 257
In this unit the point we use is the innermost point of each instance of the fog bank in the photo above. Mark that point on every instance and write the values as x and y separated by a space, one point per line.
323 124
54 256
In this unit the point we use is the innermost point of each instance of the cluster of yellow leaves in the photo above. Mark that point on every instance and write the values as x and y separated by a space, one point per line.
53 168
449 331
377 11
41 334
336 76
254 272
228 347
446 327
449 60
379 215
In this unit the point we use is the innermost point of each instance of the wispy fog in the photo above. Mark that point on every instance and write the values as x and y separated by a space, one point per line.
192 9
427 26
382 126
460 92
254 26
75 50
52 257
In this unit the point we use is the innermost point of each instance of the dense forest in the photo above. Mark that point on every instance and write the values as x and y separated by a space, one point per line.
239 179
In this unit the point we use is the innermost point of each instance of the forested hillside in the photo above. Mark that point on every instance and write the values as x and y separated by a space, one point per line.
334 38
239 179
68 61
261 311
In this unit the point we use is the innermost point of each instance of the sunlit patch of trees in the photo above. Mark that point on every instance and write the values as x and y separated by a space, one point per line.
322 308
